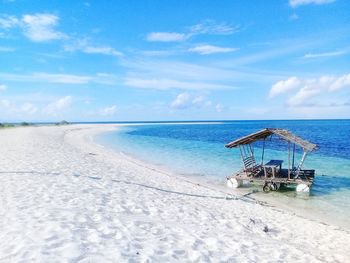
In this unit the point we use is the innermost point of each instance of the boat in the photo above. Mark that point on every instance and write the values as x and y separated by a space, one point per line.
271 175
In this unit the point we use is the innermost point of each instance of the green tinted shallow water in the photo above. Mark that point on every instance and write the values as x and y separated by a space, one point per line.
198 150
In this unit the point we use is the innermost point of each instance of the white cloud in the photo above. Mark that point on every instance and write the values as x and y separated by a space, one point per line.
3 87
61 78
181 101
206 27
209 49
212 27
164 84
166 37
296 3
38 27
185 100
169 74
284 86
8 22
58 106
108 111
169 69
63 102
198 101
303 94
309 89
42 77
83 46
325 54
340 82
29 108
278 49
25 108
105 50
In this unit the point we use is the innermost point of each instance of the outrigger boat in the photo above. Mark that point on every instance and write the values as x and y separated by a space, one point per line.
271 175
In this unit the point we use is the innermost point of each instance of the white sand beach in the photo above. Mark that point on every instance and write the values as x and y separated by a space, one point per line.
64 198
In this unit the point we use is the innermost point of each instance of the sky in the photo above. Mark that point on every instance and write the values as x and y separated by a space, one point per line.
151 60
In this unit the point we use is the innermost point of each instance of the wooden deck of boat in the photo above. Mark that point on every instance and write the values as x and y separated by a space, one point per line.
305 177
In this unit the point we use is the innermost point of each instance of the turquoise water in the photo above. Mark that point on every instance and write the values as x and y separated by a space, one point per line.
198 150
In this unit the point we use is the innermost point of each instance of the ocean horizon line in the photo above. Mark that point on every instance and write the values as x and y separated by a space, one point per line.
169 121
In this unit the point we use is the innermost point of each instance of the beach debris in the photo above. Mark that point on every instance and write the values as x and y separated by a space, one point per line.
257 225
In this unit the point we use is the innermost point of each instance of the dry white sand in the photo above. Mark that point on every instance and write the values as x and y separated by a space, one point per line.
65 199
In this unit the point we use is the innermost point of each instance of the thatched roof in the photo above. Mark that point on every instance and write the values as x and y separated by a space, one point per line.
284 134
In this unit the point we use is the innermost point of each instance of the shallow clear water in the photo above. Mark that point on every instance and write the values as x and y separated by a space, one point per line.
198 149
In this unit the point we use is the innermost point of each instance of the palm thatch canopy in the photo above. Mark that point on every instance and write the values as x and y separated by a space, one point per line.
284 134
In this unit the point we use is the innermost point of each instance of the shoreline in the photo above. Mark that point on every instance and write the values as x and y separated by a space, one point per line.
220 186
65 197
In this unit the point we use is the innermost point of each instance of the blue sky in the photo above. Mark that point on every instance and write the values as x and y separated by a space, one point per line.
174 60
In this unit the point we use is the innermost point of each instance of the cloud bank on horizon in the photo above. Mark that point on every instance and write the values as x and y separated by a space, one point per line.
87 60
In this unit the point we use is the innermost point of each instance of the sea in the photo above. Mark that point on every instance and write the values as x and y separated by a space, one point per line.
197 150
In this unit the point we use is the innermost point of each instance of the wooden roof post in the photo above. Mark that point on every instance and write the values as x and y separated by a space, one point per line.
293 156
288 160
301 163
263 152
251 150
